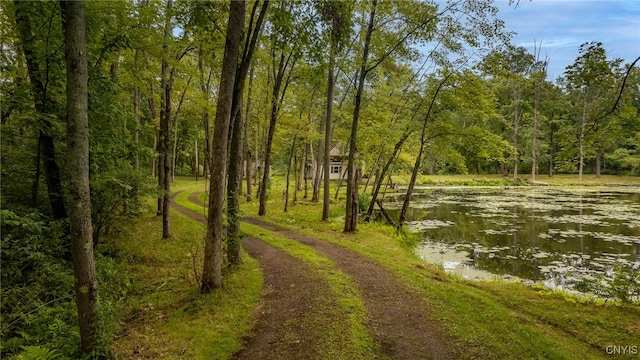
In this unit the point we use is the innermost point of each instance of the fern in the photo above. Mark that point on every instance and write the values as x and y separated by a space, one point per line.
38 353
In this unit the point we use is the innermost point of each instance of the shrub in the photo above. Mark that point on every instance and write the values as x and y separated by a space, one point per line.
364 200
38 312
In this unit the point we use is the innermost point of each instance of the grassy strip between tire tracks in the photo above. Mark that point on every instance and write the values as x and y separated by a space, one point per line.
354 340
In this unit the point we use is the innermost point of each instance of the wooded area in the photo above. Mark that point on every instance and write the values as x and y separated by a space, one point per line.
237 92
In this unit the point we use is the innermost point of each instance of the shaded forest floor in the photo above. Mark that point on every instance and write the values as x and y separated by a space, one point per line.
308 291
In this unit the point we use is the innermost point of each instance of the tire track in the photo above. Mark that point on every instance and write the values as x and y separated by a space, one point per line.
399 319
292 317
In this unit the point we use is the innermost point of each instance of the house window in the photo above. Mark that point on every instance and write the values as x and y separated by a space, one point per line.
335 169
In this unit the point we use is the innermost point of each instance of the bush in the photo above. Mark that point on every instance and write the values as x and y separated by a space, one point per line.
37 285
623 285
38 312
115 195
364 200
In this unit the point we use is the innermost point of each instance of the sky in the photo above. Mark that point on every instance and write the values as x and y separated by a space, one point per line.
562 25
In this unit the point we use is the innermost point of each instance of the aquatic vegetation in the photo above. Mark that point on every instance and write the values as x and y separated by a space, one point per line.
560 237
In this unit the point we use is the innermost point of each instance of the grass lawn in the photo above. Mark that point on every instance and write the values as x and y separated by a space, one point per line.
499 180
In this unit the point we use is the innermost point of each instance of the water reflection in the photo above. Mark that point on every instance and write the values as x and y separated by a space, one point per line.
551 235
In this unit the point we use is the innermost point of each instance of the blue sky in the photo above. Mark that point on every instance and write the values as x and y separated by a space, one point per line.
562 25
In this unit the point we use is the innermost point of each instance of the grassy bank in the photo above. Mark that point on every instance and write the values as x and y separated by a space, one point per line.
491 319
524 179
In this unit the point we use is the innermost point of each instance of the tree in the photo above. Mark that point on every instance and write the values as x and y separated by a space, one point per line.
86 284
351 217
404 23
337 14
290 31
423 140
212 268
539 75
39 85
512 66
591 79
164 141
234 177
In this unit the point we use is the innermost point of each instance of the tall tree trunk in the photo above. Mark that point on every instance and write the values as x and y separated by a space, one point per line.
307 169
234 180
351 213
303 156
174 152
597 164
247 148
207 146
164 140
47 147
234 185
385 169
297 181
534 135
552 145
286 188
137 95
583 124
154 116
540 77
516 121
84 270
327 133
319 168
212 268
197 161
36 178
412 182
206 90
280 85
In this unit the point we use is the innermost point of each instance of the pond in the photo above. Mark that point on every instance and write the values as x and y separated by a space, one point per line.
558 236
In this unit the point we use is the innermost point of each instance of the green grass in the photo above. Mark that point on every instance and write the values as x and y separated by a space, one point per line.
490 319
349 338
589 179
499 180
165 315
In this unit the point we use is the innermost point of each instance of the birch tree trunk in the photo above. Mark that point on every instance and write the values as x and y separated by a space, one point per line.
583 123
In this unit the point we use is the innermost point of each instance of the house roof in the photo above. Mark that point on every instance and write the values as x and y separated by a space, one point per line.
335 151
